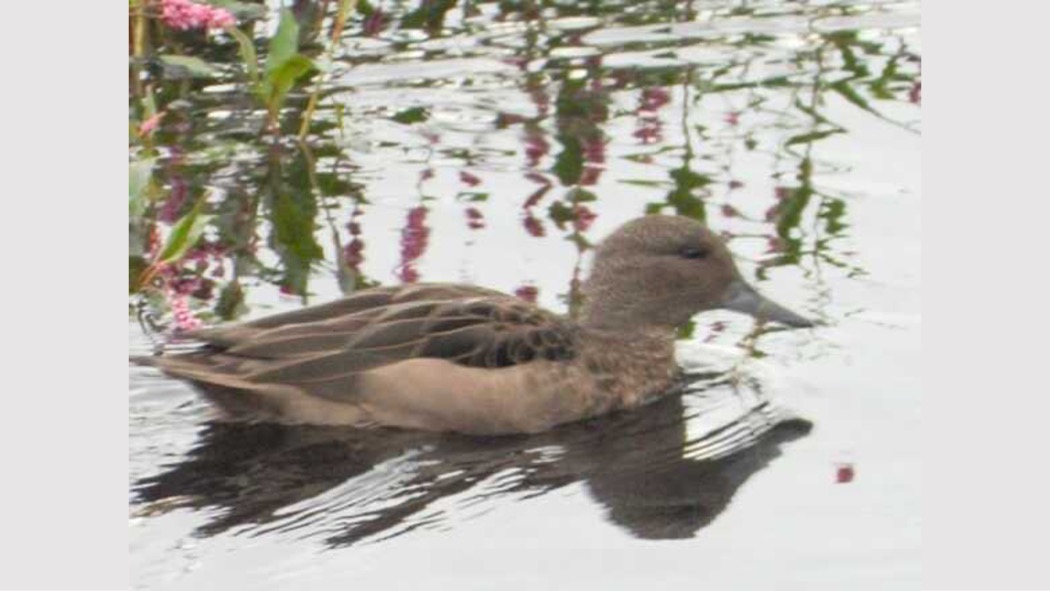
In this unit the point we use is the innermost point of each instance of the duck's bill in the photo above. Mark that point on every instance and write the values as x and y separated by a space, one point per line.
741 297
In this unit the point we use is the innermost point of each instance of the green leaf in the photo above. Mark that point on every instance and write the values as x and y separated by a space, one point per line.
281 80
186 232
194 66
139 175
843 88
809 138
247 50
579 195
293 237
561 214
569 164
285 42
413 115
687 180
136 267
231 301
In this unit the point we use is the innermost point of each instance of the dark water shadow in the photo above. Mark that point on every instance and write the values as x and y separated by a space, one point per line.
346 486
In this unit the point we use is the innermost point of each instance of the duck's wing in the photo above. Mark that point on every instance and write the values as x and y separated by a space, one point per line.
330 344
350 308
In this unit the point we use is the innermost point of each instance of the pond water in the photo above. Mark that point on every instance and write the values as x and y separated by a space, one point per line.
494 143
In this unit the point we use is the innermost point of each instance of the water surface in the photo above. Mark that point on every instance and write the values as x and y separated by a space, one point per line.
495 143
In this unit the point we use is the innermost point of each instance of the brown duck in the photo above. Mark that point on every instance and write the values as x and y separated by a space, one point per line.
447 357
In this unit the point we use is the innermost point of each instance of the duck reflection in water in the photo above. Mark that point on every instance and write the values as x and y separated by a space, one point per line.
351 485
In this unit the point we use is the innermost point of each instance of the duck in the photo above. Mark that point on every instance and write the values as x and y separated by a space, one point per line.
462 358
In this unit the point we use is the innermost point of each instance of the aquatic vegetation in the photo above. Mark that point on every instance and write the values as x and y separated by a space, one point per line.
255 134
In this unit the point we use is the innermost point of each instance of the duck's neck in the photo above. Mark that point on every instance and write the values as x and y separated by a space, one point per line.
656 342
614 315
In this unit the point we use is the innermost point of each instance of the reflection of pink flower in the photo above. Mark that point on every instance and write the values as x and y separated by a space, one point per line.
594 149
353 252
649 132
650 128
717 328
844 473
374 23
653 98
537 178
583 218
184 15
729 211
590 175
733 118
536 196
527 293
593 153
536 147
475 219
179 193
533 226
414 238
539 98
469 179
915 94
735 184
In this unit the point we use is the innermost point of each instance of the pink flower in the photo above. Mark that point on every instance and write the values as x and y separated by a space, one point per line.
184 15
150 125
469 179
220 19
184 318
733 118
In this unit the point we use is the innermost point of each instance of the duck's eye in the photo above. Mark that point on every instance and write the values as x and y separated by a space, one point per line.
693 252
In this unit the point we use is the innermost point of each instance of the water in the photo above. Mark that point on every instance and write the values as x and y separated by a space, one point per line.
495 145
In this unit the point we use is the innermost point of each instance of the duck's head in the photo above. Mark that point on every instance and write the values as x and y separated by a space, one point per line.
658 271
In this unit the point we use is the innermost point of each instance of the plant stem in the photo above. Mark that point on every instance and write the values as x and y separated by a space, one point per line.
139 38
346 7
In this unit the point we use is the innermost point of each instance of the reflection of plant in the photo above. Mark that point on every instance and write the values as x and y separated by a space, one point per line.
414 239
267 199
